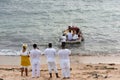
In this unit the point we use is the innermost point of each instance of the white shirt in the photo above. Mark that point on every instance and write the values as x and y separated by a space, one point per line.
64 54
75 36
35 54
63 38
50 54
69 36
24 53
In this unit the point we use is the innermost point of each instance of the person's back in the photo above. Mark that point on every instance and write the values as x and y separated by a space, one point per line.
63 38
65 61
50 54
69 36
25 61
35 61
64 54
75 37
35 54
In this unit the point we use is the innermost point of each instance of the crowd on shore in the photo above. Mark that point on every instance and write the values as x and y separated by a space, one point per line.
33 58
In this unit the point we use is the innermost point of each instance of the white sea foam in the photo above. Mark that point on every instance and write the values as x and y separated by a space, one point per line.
9 52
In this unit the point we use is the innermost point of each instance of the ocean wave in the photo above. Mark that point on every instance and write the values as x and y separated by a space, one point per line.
9 52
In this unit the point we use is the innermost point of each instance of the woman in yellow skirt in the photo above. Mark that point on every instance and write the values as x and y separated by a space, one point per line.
25 61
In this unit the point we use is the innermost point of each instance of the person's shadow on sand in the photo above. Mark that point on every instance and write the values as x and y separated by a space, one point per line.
1 79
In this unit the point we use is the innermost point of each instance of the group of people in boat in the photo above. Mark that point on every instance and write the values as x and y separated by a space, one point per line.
72 34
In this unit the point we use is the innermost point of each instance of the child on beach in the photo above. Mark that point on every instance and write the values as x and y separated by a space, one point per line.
25 62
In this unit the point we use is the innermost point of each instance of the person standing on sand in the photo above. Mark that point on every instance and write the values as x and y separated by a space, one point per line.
25 61
35 61
65 61
50 54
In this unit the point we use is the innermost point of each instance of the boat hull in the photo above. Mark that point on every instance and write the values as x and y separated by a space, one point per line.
73 42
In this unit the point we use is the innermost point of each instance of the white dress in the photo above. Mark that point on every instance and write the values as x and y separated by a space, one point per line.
25 62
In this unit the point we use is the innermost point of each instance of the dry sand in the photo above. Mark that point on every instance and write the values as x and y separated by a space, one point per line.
82 68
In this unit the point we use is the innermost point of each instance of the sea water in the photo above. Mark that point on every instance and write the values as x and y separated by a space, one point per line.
42 21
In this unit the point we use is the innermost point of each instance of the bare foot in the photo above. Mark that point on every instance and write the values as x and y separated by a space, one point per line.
37 76
64 78
68 77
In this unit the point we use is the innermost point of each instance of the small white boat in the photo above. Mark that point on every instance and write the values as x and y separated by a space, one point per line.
73 41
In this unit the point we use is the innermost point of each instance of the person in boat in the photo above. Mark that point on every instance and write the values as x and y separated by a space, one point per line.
80 35
35 54
69 28
75 28
75 36
50 54
25 61
64 61
78 32
69 35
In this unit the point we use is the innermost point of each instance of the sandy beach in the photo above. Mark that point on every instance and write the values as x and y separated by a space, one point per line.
82 68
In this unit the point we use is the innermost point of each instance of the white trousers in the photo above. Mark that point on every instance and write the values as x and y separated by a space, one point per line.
52 66
65 66
35 68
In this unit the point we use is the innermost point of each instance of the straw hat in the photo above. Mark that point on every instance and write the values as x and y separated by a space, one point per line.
24 45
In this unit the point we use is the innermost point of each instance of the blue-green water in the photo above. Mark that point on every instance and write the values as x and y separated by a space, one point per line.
42 21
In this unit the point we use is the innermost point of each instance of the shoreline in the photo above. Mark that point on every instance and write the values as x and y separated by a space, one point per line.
81 59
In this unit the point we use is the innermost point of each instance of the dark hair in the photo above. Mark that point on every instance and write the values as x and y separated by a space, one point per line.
70 31
50 44
63 34
34 45
69 27
63 45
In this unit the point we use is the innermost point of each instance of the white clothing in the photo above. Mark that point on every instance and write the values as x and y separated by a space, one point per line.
24 53
64 54
52 66
50 54
35 61
65 66
63 38
36 69
65 61
69 36
75 37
